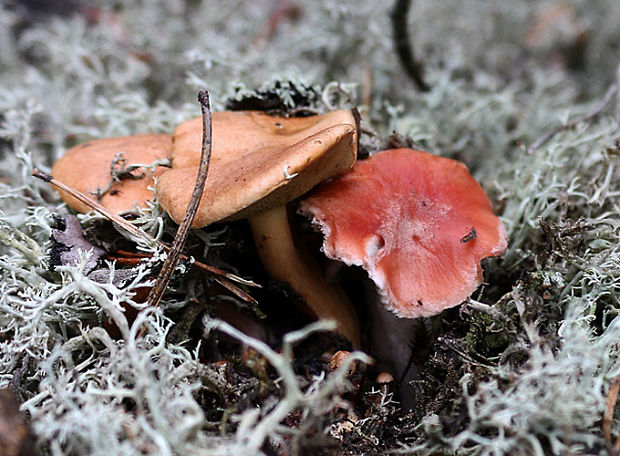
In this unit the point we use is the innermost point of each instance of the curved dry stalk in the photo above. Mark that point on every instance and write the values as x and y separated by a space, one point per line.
402 44
179 240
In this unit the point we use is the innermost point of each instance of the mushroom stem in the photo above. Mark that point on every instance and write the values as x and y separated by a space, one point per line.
393 342
284 262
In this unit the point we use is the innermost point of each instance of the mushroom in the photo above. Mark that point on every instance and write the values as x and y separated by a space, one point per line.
87 167
258 164
383 380
419 224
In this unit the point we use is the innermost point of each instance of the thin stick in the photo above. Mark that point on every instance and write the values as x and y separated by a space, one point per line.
596 110
402 44
133 261
282 10
126 172
179 240
93 205
128 253
133 229
367 82
236 290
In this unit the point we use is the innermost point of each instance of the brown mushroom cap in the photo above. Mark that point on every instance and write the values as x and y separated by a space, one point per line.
418 223
86 168
257 162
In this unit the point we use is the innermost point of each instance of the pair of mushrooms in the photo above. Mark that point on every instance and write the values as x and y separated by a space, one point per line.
418 223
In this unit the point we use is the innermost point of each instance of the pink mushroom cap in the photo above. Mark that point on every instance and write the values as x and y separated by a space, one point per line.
418 223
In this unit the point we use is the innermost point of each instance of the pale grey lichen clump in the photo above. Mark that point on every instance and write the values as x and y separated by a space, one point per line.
555 292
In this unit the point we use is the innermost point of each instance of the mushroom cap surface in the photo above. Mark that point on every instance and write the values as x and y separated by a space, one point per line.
418 223
257 162
86 167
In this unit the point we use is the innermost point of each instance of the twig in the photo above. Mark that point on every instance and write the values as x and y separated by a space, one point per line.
129 254
596 110
402 45
119 171
236 290
610 406
134 261
367 87
282 10
179 240
133 230
453 346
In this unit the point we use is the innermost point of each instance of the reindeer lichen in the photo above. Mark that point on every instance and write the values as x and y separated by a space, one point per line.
524 368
